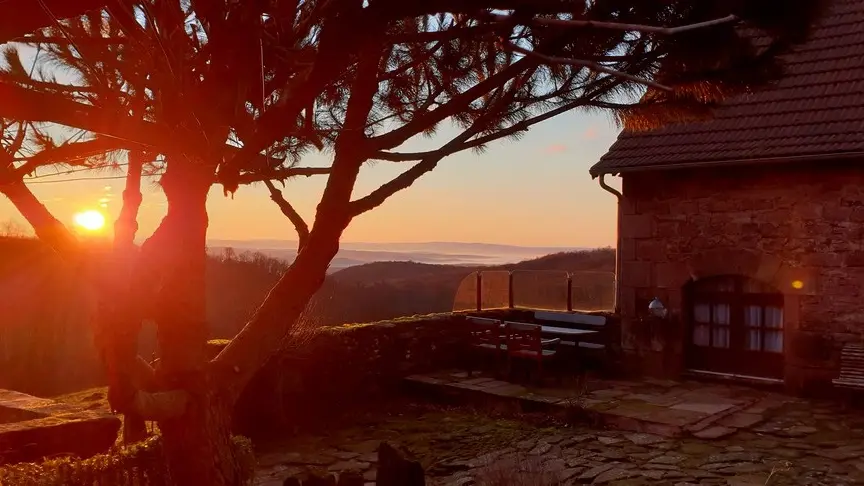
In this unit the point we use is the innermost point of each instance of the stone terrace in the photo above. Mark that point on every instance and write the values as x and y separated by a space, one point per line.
481 431
797 443
662 407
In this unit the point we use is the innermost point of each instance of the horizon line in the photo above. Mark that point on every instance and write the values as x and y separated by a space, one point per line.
551 246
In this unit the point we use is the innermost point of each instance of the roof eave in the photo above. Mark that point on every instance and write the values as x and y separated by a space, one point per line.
824 157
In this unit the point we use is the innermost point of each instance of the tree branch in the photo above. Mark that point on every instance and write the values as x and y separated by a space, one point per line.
444 35
429 160
427 119
30 16
587 100
57 87
552 22
24 104
260 339
288 210
127 222
584 63
68 153
42 39
48 228
335 55
280 174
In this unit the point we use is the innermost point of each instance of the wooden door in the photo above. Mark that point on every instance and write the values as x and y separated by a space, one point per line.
735 325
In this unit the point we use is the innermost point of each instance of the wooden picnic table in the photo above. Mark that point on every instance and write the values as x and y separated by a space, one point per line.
565 332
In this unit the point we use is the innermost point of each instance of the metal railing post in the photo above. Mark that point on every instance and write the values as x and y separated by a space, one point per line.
510 289
479 293
569 292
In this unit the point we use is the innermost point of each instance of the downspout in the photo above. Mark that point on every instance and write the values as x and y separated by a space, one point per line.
619 196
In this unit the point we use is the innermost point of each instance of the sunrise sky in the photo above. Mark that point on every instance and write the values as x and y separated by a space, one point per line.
534 192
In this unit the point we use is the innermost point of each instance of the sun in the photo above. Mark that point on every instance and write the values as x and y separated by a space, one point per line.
90 220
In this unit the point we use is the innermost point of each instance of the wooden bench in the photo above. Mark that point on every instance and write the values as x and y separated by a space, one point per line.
851 367
525 342
489 337
486 339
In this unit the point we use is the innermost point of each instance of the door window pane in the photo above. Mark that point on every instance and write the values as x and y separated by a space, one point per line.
774 341
753 316
773 318
754 340
721 314
701 336
702 313
721 337
753 321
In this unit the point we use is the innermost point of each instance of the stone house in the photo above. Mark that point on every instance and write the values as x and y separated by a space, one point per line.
749 227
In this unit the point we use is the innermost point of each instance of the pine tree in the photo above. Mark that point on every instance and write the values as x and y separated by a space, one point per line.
233 93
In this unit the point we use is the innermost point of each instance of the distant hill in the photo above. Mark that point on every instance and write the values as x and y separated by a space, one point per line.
45 325
585 260
353 254
384 290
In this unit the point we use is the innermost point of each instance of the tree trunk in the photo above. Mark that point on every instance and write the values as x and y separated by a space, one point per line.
264 334
197 445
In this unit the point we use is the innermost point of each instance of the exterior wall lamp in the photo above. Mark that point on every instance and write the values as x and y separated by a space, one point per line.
657 309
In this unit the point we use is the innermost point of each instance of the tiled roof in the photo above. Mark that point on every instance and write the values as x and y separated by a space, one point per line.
817 109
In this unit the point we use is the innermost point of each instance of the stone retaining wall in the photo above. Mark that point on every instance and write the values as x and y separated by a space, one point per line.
335 368
32 428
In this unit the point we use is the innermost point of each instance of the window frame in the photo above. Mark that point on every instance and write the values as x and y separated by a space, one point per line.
738 298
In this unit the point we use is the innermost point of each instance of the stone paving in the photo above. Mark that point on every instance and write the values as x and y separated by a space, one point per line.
662 407
793 442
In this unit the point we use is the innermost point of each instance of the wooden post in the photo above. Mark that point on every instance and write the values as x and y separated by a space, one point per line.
510 289
479 292
569 292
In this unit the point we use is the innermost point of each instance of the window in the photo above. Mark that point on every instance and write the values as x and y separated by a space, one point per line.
734 312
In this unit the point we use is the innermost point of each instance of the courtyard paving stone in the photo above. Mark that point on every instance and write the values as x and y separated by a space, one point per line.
773 439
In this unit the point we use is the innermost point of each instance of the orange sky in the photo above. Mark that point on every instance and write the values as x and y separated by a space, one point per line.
535 191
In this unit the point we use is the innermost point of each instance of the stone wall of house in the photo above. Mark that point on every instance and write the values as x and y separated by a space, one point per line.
332 370
780 224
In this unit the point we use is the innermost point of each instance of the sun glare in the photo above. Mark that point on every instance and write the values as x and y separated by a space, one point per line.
90 220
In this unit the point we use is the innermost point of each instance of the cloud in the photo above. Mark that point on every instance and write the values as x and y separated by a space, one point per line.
555 148
590 133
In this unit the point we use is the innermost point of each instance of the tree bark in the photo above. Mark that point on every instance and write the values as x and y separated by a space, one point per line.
263 334
197 444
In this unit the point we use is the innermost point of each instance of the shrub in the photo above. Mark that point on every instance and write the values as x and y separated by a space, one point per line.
517 470
140 464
